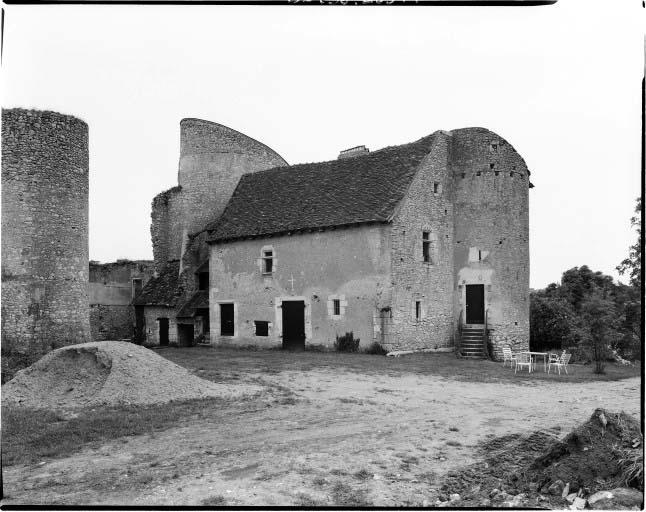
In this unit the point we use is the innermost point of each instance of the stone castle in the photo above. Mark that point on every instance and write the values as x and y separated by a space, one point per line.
421 246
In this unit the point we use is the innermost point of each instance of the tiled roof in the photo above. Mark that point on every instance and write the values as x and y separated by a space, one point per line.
348 191
161 290
199 300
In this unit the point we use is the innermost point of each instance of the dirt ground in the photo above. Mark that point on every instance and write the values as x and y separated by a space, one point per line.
325 436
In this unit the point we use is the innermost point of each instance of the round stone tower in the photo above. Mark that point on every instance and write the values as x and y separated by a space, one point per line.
212 159
44 232
491 220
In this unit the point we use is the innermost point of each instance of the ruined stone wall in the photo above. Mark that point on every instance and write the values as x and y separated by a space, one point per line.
111 294
351 265
212 159
427 208
44 231
491 185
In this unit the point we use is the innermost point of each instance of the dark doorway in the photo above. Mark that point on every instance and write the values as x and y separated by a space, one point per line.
227 327
163 331
185 334
293 325
385 317
140 325
475 304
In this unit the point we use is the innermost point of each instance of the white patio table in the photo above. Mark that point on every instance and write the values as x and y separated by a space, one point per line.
534 355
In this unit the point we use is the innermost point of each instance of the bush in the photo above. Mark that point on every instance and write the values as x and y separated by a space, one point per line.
376 349
346 343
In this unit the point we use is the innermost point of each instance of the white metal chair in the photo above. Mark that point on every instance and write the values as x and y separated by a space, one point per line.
561 363
523 359
508 355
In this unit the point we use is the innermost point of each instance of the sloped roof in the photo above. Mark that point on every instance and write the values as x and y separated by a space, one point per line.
161 290
357 190
199 300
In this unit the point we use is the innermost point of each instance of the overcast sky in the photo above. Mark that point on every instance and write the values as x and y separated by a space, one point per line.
561 83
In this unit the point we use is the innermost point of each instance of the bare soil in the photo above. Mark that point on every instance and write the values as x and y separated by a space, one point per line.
373 431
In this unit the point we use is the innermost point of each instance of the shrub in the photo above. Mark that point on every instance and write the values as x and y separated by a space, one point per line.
376 349
346 343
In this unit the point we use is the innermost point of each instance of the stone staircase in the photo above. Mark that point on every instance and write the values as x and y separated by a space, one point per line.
472 342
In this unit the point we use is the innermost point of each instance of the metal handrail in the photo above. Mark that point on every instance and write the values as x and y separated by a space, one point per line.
485 337
458 344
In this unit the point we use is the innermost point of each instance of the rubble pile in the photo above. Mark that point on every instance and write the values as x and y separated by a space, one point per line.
598 465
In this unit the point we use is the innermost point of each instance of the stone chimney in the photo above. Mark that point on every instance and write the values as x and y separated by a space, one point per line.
355 151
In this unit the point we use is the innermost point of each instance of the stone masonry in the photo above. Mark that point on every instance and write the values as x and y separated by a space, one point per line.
45 166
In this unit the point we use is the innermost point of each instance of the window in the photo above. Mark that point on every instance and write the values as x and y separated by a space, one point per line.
262 328
203 281
494 147
491 166
418 309
437 188
268 262
426 247
336 306
137 284
479 255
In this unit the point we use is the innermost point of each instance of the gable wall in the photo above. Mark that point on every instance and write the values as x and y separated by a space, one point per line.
351 263
412 278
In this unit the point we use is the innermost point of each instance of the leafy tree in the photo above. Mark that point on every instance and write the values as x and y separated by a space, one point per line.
552 321
632 265
599 327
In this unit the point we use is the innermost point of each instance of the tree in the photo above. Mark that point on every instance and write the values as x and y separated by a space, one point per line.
600 327
632 265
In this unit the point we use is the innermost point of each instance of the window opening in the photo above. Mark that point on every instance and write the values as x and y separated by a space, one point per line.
262 327
479 255
418 309
491 166
137 284
436 187
336 305
426 246
203 281
268 262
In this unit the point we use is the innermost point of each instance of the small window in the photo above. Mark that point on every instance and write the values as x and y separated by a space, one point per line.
494 148
137 284
418 309
336 307
262 328
497 173
491 166
436 187
479 255
268 262
478 173
203 281
464 175
511 174
426 247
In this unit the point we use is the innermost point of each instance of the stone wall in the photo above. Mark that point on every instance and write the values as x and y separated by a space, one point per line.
110 297
212 159
351 265
426 208
152 314
491 190
45 168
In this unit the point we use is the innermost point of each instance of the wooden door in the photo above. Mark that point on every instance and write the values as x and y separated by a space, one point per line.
475 303
163 331
227 324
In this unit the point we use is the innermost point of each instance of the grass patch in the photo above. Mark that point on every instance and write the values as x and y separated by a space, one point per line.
363 474
220 363
305 500
29 435
345 496
214 501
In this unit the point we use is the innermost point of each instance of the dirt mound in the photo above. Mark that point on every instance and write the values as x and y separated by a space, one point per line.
602 453
593 455
109 373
